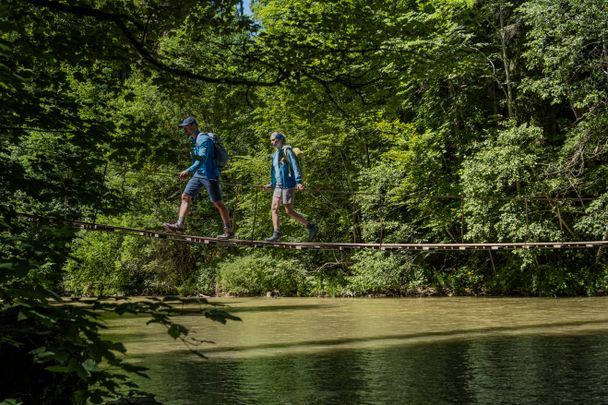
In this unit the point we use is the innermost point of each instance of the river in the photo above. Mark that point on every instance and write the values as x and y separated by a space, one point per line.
381 351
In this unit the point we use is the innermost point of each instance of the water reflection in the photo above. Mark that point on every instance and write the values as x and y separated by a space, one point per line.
385 352
511 370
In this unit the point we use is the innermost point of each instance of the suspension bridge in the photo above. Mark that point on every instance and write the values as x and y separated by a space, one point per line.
341 246
92 226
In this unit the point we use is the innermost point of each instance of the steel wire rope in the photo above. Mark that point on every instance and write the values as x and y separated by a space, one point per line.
235 208
352 192
410 195
527 220
255 211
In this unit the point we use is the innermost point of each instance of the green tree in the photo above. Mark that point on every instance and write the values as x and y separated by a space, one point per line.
61 65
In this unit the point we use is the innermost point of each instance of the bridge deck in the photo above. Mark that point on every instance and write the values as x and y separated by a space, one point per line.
338 245
318 245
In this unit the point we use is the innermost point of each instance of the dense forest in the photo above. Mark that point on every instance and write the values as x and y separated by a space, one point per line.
440 121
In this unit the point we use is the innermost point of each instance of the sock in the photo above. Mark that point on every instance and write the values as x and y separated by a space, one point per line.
180 221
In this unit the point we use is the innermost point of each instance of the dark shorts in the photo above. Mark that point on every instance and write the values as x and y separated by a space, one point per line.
212 186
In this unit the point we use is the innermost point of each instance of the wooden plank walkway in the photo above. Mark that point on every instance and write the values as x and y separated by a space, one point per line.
323 245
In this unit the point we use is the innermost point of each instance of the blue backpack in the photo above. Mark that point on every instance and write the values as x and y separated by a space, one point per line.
220 152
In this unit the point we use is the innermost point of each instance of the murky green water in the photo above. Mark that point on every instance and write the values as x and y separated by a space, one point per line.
382 351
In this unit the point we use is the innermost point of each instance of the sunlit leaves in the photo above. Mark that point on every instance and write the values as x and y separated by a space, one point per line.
500 182
567 41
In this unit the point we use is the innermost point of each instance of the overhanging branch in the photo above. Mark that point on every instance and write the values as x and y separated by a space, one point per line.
119 21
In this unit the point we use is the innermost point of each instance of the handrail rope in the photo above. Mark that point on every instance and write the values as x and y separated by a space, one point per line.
527 220
426 195
382 214
411 195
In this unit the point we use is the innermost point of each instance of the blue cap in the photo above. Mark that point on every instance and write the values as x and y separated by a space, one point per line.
187 121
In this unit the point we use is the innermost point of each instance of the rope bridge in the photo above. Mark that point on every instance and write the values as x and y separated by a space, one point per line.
251 242
316 245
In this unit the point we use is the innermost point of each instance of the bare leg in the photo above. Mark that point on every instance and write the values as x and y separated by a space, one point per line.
183 212
221 208
274 211
295 215
184 207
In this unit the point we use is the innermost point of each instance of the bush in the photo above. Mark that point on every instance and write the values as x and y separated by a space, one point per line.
381 273
259 273
91 269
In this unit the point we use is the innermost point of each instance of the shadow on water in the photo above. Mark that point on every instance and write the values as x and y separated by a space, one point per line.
189 310
463 333
275 308
499 370
455 334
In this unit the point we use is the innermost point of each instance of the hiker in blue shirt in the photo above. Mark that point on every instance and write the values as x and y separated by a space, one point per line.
285 177
205 174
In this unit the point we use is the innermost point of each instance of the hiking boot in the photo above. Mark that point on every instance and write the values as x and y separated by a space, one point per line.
228 234
175 228
313 229
276 236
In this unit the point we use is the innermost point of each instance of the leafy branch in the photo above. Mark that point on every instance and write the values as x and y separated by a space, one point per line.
120 21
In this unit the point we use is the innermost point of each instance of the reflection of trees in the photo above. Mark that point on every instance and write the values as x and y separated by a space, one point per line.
513 369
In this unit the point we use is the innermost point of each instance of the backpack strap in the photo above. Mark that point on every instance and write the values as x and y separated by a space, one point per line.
287 159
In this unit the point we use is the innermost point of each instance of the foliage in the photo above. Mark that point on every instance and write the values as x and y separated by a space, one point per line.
444 121
61 67
379 273
505 166
257 273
